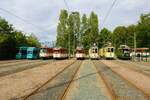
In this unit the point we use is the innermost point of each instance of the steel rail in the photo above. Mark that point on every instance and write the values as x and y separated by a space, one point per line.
36 90
110 90
70 82
125 79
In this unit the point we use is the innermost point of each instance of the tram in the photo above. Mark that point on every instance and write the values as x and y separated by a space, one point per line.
60 53
80 53
141 53
93 52
33 53
107 52
46 53
22 54
124 52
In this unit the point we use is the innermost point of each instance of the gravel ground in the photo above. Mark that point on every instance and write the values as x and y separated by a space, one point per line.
55 89
122 90
9 61
15 63
87 85
144 65
138 67
17 67
139 80
23 83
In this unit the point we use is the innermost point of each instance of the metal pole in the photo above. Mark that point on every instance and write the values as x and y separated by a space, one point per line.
69 45
134 46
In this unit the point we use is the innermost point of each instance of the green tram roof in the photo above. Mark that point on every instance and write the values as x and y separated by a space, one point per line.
23 48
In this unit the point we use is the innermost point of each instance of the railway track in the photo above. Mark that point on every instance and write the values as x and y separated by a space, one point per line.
120 88
111 92
17 63
141 69
56 87
9 61
67 88
10 69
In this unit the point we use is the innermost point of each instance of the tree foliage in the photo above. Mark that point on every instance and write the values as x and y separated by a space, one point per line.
125 35
11 40
73 30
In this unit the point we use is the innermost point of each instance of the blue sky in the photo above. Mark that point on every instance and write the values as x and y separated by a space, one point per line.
45 13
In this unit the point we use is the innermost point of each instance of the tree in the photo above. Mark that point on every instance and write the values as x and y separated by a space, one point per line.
120 36
94 31
11 40
33 41
85 29
89 30
62 29
143 31
131 30
105 37
7 40
20 39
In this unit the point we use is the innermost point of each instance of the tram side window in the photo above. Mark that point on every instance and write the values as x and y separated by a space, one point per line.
109 50
95 50
29 52
24 52
112 50
43 51
92 50
35 52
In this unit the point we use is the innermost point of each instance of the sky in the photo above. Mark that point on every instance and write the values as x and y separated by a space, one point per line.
41 16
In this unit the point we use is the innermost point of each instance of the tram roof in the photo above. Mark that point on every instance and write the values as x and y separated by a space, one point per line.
141 49
59 48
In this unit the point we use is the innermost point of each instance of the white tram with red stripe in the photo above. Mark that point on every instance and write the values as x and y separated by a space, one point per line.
46 53
80 53
60 53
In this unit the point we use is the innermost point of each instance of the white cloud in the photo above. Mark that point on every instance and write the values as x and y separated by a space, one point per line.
45 13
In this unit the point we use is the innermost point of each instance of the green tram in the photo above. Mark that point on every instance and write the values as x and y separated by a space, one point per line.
22 54
124 52
33 53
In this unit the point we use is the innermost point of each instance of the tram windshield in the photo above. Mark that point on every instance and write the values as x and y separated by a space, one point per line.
110 50
94 50
79 51
23 52
43 51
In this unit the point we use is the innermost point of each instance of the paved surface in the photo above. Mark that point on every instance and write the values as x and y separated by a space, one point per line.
87 85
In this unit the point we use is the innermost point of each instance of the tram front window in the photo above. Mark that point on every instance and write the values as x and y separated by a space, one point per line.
23 52
95 50
43 51
110 50
29 52
35 52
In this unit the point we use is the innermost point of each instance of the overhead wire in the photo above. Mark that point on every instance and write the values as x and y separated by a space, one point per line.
67 6
24 20
109 11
